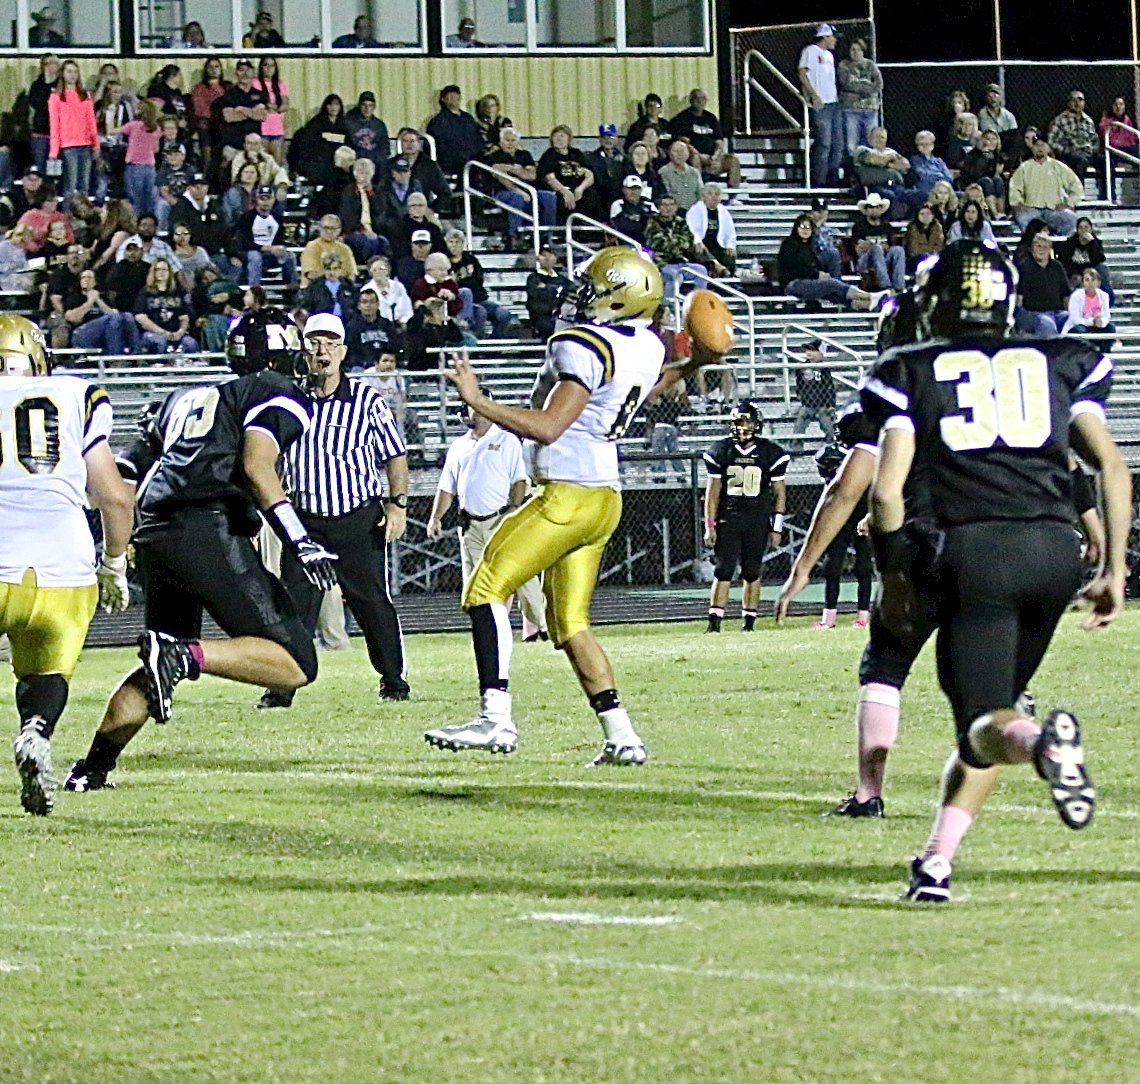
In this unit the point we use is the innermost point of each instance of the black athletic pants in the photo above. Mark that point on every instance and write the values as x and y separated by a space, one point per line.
362 572
741 541
836 555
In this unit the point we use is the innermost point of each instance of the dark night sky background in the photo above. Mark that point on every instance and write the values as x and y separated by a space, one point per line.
962 29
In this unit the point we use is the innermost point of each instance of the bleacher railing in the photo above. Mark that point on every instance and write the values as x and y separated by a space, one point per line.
508 181
1116 153
802 125
793 359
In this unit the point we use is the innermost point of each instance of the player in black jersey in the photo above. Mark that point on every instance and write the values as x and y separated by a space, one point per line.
986 421
744 509
198 510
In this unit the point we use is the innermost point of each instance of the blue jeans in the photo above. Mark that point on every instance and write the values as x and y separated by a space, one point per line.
673 274
547 208
1045 325
820 290
1060 223
6 175
139 183
76 170
255 264
41 144
889 268
115 333
501 319
992 187
159 344
829 260
826 144
364 247
857 125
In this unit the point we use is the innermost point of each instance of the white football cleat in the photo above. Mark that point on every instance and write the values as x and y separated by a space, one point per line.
33 762
495 736
630 752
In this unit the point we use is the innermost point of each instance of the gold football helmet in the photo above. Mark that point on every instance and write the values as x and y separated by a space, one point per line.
619 284
23 348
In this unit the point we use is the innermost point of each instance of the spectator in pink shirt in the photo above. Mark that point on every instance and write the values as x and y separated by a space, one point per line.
38 219
143 136
1120 138
277 101
72 134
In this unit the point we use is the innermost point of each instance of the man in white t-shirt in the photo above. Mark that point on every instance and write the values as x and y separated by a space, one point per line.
817 78
260 238
484 468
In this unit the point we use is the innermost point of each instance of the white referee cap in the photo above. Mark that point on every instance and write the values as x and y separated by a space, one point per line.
324 323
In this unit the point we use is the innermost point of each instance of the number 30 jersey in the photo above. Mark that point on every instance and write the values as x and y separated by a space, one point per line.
746 473
47 425
991 420
618 365
203 430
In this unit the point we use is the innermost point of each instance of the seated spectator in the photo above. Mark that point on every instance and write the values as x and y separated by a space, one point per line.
458 138
330 291
170 182
95 324
944 201
658 146
126 279
673 246
713 230
928 168
429 330
437 281
1111 134
396 191
608 165
703 131
62 286
360 38
562 169
1043 291
328 240
313 146
417 218
1024 249
14 276
993 116
826 241
262 34
465 38
860 85
361 213
239 110
392 388
424 170
1089 311
25 189
984 166
631 213
39 217
85 219
815 389
201 213
971 225
924 237
216 301
879 167
239 197
874 253
958 102
367 133
680 179
801 276
368 335
328 196
546 289
468 272
260 239
55 245
391 294
191 36
1073 136
963 139
1042 187
410 268
641 165
162 313
269 170
1081 250
154 248
192 257
489 114
510 158
650 114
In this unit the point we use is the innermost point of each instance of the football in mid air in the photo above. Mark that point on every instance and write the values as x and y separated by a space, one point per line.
709 322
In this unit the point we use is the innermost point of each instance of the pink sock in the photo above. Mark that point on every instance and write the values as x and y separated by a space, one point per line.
950 826
877 723
863 615
829 617
196 653
716 611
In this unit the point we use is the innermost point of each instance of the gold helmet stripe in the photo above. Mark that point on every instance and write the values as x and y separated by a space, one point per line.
597 344
92 397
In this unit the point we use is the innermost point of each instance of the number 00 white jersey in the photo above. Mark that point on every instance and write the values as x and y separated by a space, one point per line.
618 365
47 425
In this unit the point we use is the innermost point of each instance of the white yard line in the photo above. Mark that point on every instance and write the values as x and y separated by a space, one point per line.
589 918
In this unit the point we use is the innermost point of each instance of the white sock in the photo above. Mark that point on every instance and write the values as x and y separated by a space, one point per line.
617 726
495 704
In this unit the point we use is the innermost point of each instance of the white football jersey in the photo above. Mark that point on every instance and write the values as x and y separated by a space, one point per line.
618 364
47 425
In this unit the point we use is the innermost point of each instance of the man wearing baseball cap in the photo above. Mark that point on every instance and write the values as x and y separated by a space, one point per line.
261 239
817 78
367 133
631 214
608 163
702 128
335 473
458 138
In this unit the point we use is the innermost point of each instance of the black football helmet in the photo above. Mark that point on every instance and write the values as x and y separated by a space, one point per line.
267 339
828 460
746 421
971 290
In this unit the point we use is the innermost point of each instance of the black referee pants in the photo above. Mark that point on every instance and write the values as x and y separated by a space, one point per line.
362 572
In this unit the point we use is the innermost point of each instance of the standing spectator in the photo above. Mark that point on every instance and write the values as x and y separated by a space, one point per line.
546 288
468 272
276 93
313 146
262 34
112 111
874 252
489 114
163 314
1112 135
204 120
860 94
360 38
650 114
924 237
681 180
510 158
327 199
165 91
630 214
74 135
424 170
126 279
673 246
702 129
43 34
418 218
1073 136
484 470
465 38
368 334
1081 250
1042 187
361 213
391 294
563 170
815 389
170 182
713 230
367 133
458 138
238 110
1089 310
330 291
817 78
143 136
993 116
608 165
260 238
38 94
802 276
971 225
1043 291
983 165
95 324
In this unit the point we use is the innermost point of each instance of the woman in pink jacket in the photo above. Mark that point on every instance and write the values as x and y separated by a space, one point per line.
72 131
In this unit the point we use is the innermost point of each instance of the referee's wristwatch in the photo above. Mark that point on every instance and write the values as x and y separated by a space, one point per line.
400 500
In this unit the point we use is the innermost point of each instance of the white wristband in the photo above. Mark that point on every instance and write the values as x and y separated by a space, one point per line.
778 523
284 520
115 564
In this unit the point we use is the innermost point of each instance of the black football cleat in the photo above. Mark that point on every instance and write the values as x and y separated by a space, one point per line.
1059 759
852 807
395 692
929 880
274 698
537 637
166 661
714 623
80 779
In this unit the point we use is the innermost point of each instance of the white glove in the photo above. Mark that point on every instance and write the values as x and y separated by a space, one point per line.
114 594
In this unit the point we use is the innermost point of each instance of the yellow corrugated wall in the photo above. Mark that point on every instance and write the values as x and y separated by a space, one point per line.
537 92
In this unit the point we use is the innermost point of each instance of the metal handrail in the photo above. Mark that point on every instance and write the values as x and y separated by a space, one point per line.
594 224
803 125
468 191
1110 152
832 343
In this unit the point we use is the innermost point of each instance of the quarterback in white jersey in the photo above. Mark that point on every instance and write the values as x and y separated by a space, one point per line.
594 378
54 460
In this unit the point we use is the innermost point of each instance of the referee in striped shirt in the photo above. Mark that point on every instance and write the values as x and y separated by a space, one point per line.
334 479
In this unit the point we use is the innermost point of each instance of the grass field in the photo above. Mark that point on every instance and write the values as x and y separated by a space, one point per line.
318 896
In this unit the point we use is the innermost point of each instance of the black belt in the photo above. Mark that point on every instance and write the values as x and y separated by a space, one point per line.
466 518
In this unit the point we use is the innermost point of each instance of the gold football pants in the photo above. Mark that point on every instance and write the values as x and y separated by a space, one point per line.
45 625
562 531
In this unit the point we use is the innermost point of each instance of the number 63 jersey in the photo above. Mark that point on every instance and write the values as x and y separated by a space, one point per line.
991 420
618 365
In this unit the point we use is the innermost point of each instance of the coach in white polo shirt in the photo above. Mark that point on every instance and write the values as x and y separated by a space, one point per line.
484 468
817 78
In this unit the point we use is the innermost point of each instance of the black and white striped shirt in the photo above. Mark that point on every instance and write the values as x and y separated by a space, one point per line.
338 465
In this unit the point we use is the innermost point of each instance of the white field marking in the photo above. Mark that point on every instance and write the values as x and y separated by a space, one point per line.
8 966
587 918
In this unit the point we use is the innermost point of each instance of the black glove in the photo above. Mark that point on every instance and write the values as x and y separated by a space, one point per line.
317 563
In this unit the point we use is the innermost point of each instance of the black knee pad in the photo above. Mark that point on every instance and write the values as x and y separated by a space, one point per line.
965 751
44 695
305 656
